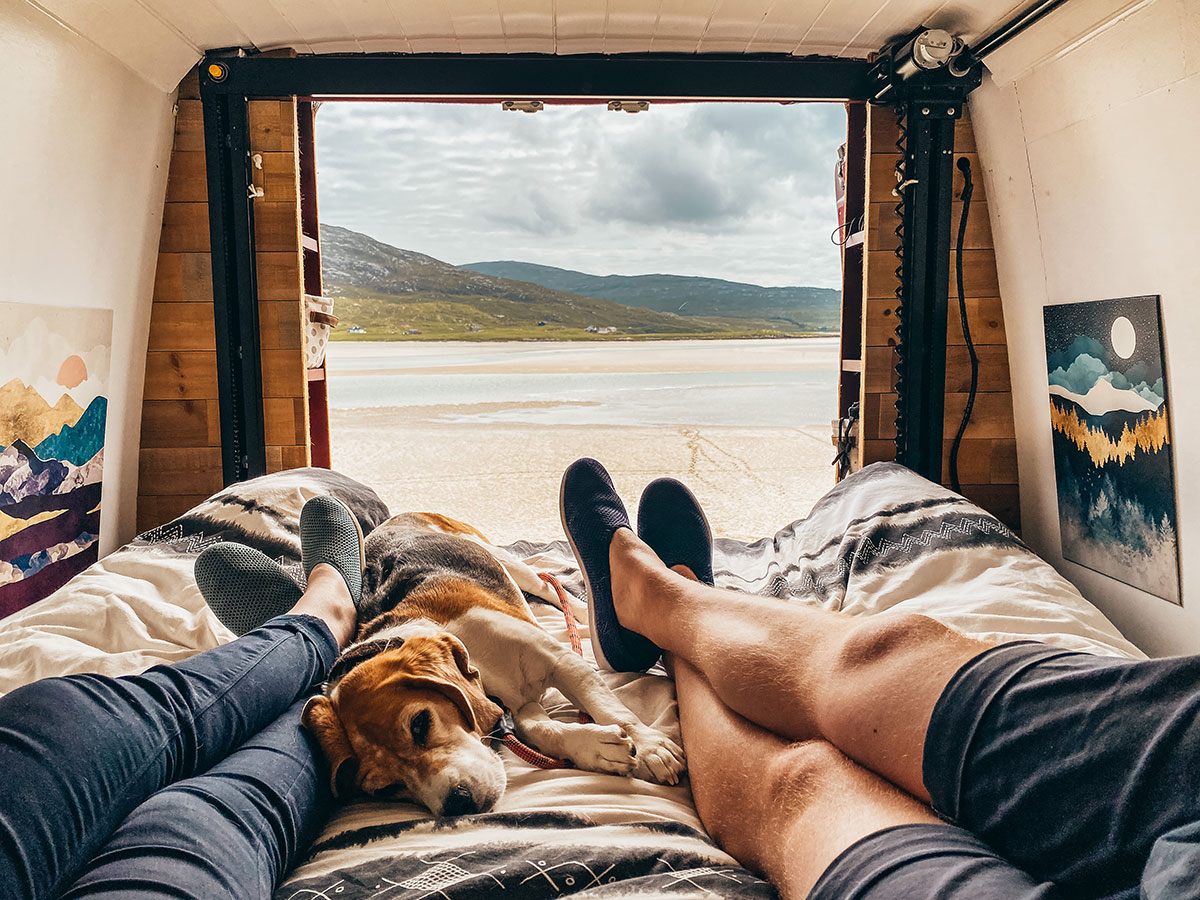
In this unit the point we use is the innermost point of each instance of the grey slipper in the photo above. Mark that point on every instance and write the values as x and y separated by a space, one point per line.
329 533
243 587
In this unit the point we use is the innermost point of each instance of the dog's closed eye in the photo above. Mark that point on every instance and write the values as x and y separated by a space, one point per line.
397 791
419 727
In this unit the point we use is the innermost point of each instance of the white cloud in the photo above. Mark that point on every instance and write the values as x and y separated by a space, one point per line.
738 191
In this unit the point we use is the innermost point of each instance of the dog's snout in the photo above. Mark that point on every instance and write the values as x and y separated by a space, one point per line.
460 802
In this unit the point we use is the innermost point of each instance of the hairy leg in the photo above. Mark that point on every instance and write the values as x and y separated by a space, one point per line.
866 685
785 809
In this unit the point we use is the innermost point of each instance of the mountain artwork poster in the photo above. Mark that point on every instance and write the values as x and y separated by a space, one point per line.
54 370
1113 464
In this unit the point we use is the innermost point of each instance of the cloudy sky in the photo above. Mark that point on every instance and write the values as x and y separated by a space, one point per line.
737 191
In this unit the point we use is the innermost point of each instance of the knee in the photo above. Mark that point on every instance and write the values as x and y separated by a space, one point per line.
797 774
786 786
885 639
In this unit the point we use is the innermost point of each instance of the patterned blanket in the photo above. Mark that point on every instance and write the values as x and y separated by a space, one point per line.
883 539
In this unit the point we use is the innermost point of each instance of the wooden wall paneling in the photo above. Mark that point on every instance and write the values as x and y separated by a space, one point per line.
180 460
987 465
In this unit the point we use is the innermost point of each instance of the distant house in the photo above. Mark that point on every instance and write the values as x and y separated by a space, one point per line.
356 329
605 329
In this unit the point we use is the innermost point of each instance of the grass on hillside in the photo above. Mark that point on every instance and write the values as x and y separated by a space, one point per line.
441 320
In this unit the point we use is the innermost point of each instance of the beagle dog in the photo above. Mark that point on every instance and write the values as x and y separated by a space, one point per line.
444 627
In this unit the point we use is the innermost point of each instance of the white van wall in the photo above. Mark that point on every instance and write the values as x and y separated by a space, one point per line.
83 172
1087 130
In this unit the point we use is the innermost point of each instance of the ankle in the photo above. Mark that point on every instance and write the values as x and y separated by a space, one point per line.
328 598
631 561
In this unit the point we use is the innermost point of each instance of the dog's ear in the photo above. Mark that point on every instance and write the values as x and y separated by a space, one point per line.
448 689
458 652
320 718
486 712
440 663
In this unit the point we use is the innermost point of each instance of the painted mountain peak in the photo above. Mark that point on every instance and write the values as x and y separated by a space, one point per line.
26 414
78 442
53 385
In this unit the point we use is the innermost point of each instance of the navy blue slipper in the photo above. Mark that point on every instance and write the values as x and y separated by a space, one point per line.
243 587
671 521
591 514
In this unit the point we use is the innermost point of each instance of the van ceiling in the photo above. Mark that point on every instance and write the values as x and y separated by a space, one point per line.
162 39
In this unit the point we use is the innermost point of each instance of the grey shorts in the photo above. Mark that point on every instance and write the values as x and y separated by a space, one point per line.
1060 774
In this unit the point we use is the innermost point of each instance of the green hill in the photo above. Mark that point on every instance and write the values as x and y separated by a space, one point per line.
400 294
808 307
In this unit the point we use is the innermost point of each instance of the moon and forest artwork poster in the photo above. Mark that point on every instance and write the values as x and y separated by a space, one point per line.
1112 441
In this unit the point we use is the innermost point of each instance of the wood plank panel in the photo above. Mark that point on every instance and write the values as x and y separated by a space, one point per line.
295 456
276 226
189 126
182 326
878 451
171 423
279 325
158 510
991 416
174 470
283 373
882 221
880 369
183 278
983 460
1001 500
184 228
979 274
180 375
279 178
272 125
279 416
985 316
187 179
882 177
279 276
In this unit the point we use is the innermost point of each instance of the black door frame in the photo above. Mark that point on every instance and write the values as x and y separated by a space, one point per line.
229 80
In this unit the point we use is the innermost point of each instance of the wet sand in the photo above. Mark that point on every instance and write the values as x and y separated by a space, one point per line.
504 477
480 460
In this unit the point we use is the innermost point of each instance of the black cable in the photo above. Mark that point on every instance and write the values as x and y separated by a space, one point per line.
964 166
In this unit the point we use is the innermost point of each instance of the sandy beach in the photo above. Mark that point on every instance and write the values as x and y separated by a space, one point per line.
465 460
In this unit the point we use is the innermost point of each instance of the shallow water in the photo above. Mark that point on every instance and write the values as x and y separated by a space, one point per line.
738 383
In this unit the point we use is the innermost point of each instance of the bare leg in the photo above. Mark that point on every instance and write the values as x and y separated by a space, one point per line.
866 685
328 599
787 810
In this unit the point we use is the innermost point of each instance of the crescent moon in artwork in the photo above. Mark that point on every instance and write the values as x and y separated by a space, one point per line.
1124 338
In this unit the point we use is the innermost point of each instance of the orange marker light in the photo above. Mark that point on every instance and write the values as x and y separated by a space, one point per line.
216 71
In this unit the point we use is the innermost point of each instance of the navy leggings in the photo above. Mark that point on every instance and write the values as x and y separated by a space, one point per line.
189 780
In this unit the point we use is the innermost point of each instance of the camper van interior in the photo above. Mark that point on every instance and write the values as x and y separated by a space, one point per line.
1017 278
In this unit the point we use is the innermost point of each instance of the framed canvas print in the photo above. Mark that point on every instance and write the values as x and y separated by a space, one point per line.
54 364
1113 464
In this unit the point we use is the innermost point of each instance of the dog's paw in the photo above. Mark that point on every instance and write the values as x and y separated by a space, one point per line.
659 759
601 748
